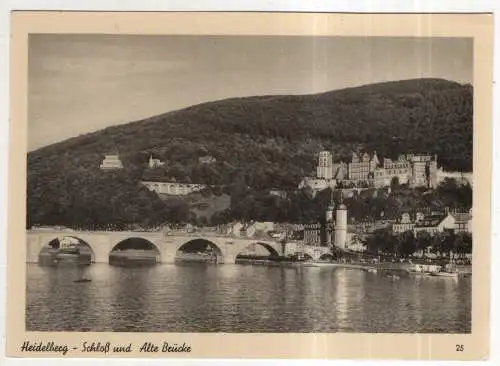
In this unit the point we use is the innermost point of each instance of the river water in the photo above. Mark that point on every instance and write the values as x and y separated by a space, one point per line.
191 297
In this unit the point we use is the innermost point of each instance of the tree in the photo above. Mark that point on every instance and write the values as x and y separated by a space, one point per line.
406 244
381 241
394 184
438 243
463 244
449 242
267 142
423 241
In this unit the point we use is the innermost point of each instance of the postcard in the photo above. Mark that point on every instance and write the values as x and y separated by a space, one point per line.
250 185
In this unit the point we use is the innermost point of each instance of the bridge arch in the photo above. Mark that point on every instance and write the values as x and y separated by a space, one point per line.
134 250
258 249
200 249
49 249
326 256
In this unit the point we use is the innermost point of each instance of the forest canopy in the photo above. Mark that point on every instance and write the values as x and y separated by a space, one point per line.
255 144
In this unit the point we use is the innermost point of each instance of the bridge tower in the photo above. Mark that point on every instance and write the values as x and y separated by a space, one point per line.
329 224
341 224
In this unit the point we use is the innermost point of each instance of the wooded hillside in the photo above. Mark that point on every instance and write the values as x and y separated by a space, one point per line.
258 142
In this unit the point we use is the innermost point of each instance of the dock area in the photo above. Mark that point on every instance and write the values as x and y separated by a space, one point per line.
390 268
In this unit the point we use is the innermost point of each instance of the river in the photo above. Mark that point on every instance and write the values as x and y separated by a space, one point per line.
195 297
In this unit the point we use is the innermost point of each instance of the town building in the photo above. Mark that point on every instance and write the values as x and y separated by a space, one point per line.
173 188
111 162
312 235
434 222
370 226
155 163
355 242
461 221
404 224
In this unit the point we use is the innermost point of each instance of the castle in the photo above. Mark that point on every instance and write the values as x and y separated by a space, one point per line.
365 170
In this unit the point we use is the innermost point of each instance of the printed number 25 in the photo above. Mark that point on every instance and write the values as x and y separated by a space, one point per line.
459 347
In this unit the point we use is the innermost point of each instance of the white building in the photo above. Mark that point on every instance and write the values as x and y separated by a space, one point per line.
173 188
111 162
458 222
207 159
355 243
155 163
404 224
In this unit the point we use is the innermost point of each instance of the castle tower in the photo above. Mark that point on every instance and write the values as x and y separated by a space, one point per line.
325 165
341 224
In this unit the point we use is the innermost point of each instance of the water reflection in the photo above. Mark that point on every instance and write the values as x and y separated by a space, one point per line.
130 303
243 298
341 298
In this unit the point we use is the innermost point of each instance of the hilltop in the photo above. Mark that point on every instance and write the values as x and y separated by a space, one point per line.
257 142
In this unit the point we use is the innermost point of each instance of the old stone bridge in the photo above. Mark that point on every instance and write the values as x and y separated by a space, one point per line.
101 243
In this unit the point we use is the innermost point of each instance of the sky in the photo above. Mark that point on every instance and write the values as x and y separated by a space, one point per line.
83 83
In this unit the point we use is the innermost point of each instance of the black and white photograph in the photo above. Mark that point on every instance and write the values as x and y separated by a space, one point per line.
249 184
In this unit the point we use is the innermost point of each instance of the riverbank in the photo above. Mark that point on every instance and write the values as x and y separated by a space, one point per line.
383 267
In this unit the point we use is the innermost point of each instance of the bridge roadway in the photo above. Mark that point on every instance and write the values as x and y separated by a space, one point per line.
101 243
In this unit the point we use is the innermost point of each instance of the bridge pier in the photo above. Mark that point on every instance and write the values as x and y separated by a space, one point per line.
167 255
102 246
226 259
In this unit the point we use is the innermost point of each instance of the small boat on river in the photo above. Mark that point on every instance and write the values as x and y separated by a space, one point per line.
424 269
83 280
445 274
450 270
